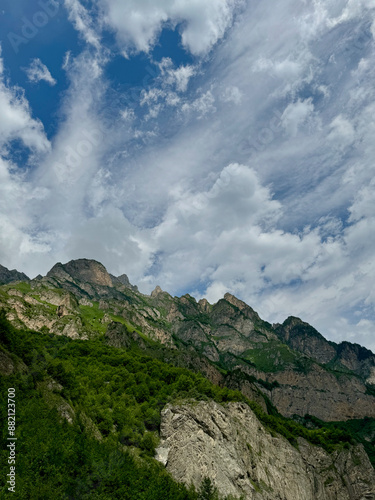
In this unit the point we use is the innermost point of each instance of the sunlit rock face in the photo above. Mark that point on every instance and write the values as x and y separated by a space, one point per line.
228 444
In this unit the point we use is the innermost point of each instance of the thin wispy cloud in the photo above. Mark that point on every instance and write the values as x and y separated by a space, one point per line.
37 71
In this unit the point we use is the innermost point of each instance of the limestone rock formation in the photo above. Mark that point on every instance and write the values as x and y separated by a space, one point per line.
229 445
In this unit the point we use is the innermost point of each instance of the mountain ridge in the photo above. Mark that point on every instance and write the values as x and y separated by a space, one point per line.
300 371
7 276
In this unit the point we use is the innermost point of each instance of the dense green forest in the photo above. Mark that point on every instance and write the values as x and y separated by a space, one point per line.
88 417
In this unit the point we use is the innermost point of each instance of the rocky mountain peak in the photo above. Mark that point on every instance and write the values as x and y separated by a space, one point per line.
204 305
84 270
305 339
294 327
358 359
123 280
7 276
242 306
156 292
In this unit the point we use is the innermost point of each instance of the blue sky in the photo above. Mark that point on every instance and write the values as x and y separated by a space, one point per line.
205 147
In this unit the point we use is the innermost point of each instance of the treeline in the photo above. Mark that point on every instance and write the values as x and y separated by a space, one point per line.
362 431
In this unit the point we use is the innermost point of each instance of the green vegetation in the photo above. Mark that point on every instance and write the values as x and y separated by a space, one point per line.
328 438
271 356
362 430
131 328
120 393
22 286
370 390
91 318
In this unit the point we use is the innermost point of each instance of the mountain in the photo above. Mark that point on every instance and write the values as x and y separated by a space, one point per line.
7 276
288 371
291 365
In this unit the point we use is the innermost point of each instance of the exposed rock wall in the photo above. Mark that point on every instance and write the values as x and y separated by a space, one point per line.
326 395
229 445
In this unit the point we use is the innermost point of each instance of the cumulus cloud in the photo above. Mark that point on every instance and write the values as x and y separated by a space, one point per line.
20 238
16 119
138 23
342 132
230 230
37 71
232 94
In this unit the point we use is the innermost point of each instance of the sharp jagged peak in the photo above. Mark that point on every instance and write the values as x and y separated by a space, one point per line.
159 293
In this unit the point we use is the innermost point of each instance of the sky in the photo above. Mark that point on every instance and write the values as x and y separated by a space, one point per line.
206 147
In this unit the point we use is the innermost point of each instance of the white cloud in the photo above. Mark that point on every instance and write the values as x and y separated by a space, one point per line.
232 94
16 121
202 105
342 132
138 23
176 77
128 114
151 96
296 114
230 229
37 71
19 240
83 23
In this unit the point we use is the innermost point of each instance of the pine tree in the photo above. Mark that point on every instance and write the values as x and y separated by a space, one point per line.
207 490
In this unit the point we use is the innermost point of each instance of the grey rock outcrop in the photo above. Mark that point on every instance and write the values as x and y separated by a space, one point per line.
7 276
83 270
123 280
323 394
229 445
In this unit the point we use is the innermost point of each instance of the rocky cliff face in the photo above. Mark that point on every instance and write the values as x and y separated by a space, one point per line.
327 395
83 270
229 445
7 276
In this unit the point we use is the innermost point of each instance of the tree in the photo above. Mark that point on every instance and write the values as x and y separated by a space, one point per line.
207 490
